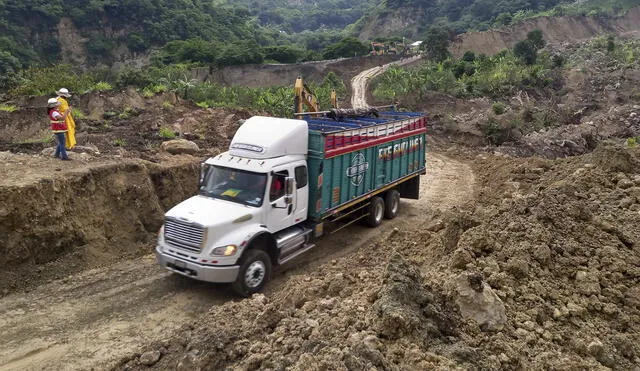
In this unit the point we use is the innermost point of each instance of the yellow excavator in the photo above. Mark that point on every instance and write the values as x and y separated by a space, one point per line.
304 97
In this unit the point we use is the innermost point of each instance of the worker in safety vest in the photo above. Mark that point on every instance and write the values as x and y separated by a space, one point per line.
71 124
58 127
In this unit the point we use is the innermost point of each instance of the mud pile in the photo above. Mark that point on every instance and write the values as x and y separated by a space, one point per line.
95 213
541 271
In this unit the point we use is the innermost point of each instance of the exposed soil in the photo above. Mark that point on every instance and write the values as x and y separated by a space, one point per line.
540 271
96 318
505 262
570 29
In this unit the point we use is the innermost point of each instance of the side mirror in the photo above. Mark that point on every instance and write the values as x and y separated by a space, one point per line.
289 186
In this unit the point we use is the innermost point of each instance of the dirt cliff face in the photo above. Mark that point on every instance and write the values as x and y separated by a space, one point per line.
72 49
554 29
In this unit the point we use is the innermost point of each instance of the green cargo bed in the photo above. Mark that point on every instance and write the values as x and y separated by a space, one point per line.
355 158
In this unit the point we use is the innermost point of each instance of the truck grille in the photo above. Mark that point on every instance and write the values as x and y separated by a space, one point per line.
183 235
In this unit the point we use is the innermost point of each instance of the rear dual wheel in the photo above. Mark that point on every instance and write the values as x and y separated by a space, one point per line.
376 212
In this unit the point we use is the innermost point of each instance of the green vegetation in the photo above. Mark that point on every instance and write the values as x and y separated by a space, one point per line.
45 139
8 108
128 112
213 32
102 86
275 100
166 133
496 76
77 114
527 49
119 142
498 108
347 47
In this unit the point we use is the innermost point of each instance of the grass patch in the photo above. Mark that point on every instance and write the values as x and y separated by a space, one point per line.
128 111
8 108
78 114
166 133
119 142
43 140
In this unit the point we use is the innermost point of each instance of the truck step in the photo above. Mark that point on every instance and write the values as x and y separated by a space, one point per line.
303 249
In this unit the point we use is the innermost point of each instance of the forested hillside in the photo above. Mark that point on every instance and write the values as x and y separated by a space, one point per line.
110 29
471 15
305 15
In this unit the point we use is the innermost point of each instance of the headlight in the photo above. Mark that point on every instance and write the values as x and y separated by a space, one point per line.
225 250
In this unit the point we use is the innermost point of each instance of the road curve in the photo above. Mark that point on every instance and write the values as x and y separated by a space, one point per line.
360 82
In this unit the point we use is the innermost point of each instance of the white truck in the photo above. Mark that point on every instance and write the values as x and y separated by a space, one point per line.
281 183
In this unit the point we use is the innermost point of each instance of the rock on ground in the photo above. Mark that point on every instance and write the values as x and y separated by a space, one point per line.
180 146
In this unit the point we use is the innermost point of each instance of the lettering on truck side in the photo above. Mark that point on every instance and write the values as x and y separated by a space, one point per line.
399 149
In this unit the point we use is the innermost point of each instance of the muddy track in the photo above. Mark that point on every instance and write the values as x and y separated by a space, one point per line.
360 82
97 317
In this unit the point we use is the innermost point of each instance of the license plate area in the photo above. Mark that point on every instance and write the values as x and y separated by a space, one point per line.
181 267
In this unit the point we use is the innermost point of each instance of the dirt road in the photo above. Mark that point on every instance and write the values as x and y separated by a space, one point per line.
97 317
359 83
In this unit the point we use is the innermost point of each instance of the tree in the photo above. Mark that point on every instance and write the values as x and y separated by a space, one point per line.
536 39
527 50
283 53
436 44
9 66
347 47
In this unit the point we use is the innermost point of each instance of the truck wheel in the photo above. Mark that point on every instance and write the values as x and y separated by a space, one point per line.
376 212
255 272
391 204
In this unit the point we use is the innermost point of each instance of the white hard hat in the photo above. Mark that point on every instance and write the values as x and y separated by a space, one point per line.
63 92
52 102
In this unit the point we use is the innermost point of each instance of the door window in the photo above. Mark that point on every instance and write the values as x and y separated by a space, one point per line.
301 177
276 191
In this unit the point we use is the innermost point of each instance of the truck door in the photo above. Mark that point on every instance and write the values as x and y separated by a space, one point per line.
302 193
280 215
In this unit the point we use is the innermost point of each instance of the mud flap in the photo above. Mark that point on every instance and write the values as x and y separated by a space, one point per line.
410 189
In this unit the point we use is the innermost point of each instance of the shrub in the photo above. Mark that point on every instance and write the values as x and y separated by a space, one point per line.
498 108
45 81
167 105
102 86
166 133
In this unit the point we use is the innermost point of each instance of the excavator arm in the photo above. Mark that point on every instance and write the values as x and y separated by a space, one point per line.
304 97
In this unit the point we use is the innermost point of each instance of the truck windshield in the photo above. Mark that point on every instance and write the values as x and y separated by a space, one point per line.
243 187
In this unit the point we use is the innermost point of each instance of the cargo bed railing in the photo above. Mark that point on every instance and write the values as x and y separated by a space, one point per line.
362 130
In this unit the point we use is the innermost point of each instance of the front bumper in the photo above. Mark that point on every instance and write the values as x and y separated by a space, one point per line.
195 270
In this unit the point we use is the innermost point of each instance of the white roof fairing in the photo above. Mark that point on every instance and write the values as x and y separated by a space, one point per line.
269 137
